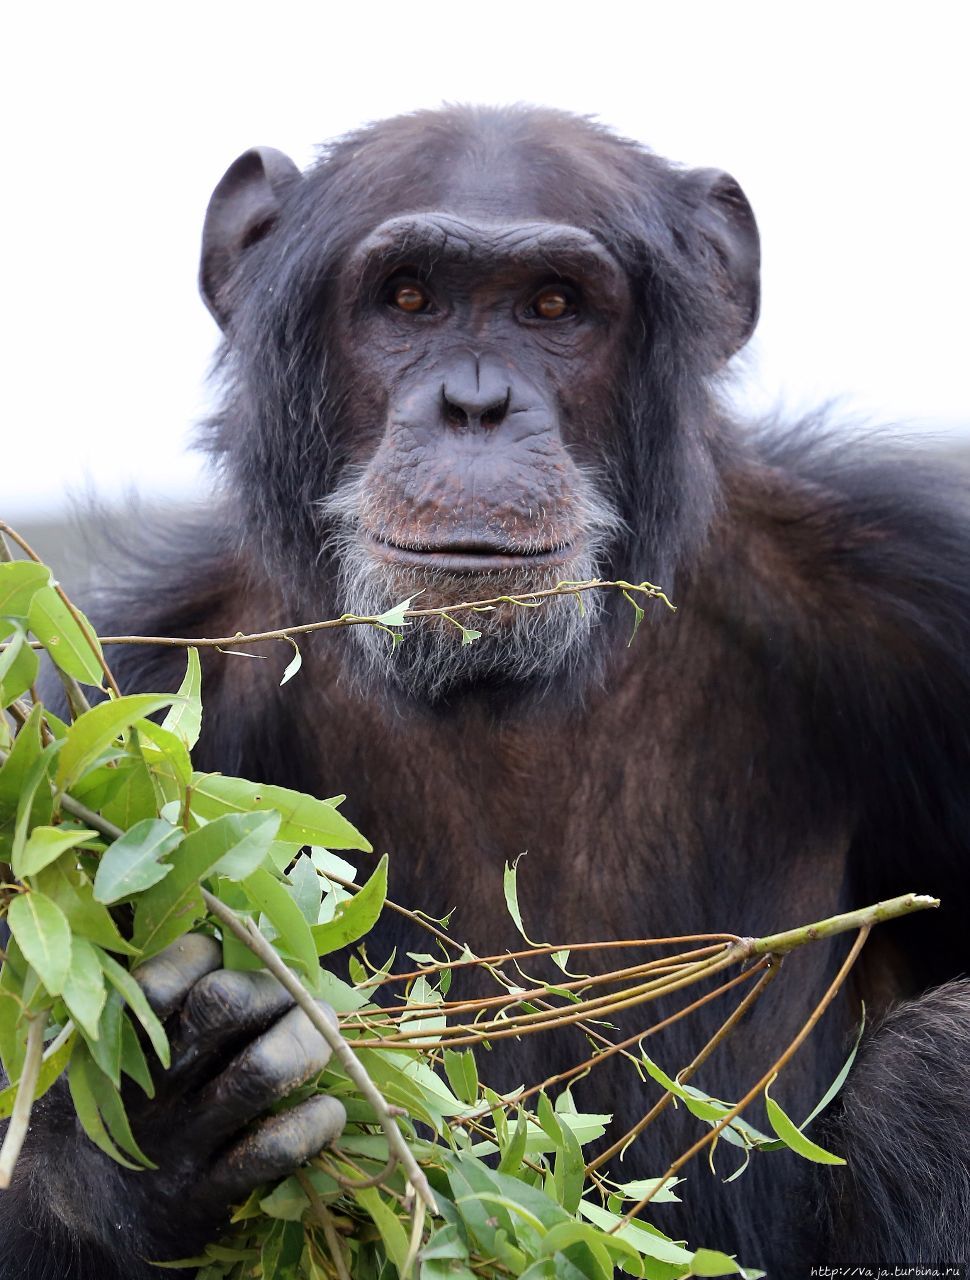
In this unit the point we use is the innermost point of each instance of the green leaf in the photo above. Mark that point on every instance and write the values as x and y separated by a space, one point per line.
185 717
134 799
566 1234
70 643
569 1173
304 819
79 1079
108 1101
287 1201
839 1080
50 1069
241 842
46 844
354 917
98 728
72 891
392 1233
708 1262
661 1192
34 805
713 1110
644 1238
133 995
445 1243
165 912
266 893
233 845
167 755
132 864
512 897
105 1047
18 668
20 580
25 751
281 1251
395 617
511 1161
133 1060
84 990
462 1074
307 888
44 936
793 1137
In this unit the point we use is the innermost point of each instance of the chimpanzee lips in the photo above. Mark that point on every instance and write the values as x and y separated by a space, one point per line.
471 555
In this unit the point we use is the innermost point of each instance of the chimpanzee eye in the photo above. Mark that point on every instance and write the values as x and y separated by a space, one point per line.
554 302
408 296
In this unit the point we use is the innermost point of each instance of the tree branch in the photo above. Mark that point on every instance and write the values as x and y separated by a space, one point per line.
20 1116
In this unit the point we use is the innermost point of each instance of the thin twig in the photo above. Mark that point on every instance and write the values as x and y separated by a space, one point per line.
361 1184
353 620
321 1214
766 1079
249 935
13 1139
726 1027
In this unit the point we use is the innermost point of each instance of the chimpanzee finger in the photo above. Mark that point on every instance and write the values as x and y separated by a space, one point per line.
223 1010
269 1068
167 978
277 1145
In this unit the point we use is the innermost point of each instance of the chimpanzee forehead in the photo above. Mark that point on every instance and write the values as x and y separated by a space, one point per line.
437 237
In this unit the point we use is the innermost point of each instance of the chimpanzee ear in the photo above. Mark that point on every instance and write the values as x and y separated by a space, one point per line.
728 224
243 208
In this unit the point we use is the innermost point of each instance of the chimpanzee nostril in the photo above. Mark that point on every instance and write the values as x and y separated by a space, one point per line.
485 403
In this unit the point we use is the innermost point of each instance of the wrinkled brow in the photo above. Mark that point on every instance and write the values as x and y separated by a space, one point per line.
426 240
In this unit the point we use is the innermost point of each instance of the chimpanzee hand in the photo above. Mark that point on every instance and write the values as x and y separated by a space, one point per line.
238 1046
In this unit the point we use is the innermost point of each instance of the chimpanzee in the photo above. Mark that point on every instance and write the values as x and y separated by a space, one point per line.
476 352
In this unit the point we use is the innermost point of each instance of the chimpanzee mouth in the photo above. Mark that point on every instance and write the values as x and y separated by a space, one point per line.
472 555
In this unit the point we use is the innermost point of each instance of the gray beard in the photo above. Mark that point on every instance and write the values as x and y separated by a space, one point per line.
518 645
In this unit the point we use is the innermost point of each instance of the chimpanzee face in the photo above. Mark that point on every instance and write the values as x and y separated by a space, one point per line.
481 359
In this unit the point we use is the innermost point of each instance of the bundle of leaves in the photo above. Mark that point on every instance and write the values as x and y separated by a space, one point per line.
112 847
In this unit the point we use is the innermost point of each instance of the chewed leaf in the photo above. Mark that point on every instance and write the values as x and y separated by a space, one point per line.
468 635
395 617
294 664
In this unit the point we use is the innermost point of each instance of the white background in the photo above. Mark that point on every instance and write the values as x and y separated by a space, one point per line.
845 123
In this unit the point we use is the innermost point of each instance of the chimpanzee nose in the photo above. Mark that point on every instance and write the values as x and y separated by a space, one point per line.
475 396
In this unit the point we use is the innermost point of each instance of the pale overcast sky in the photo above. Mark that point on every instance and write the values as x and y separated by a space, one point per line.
845 123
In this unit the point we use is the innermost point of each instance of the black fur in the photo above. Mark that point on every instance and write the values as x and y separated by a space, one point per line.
793 742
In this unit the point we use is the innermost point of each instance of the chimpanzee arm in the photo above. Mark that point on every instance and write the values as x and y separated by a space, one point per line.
238 1046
